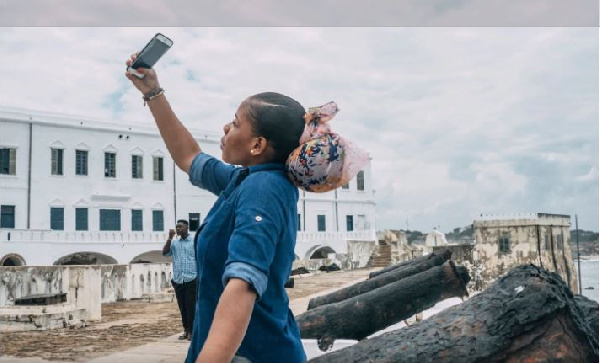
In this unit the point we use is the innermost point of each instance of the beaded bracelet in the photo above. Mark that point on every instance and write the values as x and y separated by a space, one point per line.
153 94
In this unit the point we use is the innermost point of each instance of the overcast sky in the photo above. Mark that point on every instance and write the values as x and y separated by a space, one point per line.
458 121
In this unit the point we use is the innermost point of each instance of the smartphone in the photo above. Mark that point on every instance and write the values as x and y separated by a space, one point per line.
147 58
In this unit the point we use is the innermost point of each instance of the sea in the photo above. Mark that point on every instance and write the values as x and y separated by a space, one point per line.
589 278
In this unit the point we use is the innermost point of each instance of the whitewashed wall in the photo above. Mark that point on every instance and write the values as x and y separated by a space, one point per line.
177 198
87 287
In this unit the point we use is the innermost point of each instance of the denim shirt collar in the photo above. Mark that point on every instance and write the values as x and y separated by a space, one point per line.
242 173
266 166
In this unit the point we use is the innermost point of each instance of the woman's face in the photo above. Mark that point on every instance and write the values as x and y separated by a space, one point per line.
238 140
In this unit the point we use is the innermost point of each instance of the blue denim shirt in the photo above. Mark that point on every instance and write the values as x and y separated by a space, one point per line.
183 258
249 233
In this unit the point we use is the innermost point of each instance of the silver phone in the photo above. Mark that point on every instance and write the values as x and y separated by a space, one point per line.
152 52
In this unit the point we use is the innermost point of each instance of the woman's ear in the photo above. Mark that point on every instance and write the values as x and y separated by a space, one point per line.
259 147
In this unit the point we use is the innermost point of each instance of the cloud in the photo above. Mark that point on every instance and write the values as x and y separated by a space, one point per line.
180 13
459 121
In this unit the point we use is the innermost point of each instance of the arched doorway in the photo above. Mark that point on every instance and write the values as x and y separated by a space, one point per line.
151 257
12 259
85 258
320 251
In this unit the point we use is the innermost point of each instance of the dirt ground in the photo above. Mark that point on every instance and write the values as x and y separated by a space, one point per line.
124 325
129 324
306 285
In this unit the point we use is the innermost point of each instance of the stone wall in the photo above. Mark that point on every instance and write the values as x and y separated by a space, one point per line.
87 287
357 257
84 290
460 253
124 282
21 281
27 318
359 253
400 249
540 241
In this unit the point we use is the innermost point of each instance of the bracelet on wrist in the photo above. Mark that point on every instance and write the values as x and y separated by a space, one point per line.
153 94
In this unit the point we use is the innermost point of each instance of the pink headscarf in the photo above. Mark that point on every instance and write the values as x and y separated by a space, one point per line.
324 160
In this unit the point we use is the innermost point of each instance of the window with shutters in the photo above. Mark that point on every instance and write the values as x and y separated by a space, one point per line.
110 219
361 222
360 180
8 161
57 219
349 223
137 220
559 241
137 167
81 162
158 222
110 165
57 161
81 219
321 223
504 244
158 168
7 216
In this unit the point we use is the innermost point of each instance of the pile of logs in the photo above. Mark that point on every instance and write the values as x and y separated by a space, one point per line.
529 315
385 299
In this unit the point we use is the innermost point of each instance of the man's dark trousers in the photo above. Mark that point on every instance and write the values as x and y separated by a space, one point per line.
186 299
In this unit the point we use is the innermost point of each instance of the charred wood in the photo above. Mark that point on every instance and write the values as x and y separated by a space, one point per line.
446 253
362 315
332 267
299 271
289 283
589 309
529 315
378 281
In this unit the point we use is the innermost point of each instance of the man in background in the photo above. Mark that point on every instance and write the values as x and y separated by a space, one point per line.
185 276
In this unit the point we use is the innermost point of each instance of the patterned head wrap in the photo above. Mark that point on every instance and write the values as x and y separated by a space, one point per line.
325 160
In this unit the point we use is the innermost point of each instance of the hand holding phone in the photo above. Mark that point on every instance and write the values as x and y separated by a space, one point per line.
152 52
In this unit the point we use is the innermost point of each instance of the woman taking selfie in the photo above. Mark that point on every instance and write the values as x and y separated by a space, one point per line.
245 246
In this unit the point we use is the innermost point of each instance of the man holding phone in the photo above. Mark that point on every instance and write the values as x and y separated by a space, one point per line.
185 276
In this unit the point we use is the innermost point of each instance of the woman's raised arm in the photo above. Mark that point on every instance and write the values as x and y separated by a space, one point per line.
181 144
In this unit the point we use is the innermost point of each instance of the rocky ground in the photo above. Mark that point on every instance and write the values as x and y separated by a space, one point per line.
132 323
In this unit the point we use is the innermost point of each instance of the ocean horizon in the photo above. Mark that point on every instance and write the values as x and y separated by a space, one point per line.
589 277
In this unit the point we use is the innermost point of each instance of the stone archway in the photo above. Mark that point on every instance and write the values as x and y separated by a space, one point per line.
12 259
319 251
151 257
86 258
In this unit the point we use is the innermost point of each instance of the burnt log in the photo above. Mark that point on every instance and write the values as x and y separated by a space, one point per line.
529 315
376 282
332 267
362 315
446 253
589 309
299 271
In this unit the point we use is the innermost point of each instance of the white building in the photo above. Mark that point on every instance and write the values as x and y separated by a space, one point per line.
75 184
435 238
